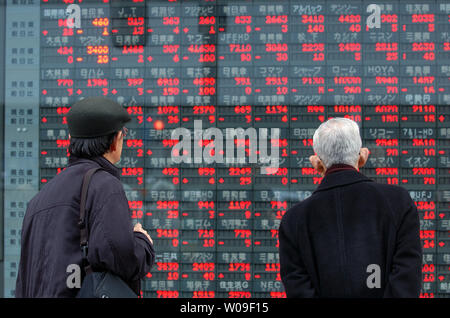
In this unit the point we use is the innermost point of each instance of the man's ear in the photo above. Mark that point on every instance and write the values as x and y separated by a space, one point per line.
113 146
363 156
317 164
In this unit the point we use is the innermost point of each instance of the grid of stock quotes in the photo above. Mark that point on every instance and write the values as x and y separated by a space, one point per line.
249 64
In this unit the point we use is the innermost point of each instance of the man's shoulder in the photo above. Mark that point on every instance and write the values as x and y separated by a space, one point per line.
395 194
387 191
104 179
101 178
65 187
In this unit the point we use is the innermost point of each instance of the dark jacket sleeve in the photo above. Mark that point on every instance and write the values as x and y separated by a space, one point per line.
114 246
405 277
296 280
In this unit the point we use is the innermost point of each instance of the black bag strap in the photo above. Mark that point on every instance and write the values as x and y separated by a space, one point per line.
83 221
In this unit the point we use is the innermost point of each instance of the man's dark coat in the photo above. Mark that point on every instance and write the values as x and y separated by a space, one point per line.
51 236
328 241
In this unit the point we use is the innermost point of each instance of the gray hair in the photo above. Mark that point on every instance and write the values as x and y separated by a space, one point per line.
337 141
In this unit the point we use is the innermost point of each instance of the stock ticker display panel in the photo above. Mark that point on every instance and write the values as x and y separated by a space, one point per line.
250 64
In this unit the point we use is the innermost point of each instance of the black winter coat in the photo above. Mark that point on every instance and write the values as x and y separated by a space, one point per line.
51 237
328 240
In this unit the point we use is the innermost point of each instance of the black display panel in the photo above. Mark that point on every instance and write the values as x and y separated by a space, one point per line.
253 65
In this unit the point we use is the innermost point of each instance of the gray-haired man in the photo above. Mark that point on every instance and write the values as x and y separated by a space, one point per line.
352 237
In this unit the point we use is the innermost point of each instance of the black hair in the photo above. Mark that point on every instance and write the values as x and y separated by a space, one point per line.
91 147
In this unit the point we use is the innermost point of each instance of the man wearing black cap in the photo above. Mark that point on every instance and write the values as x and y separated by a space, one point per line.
50 251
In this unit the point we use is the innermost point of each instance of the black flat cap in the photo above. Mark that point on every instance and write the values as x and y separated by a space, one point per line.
96 116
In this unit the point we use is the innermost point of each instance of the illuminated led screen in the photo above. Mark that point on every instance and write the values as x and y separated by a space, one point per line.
231 64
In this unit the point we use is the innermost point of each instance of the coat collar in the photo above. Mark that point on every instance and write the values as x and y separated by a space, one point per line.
101 161
341 178
338 167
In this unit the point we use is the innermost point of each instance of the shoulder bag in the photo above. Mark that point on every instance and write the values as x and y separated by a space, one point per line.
97 284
